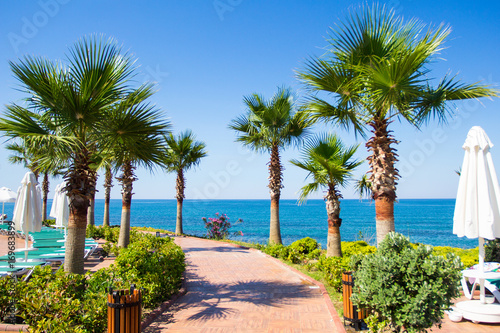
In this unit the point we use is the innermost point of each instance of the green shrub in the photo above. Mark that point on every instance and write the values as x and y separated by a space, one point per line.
314 254
155 264
60 302
110 234
48 223
276 250
332 268
469 257
405 286
492 250
304 245
355 248
294 256
7 284
50 298
109 248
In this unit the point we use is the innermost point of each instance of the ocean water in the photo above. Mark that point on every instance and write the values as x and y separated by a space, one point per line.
428 221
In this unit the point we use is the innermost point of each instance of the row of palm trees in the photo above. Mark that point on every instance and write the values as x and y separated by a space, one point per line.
373 72
87 115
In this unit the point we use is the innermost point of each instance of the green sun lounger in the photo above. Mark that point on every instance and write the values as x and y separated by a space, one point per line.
20 269
20 257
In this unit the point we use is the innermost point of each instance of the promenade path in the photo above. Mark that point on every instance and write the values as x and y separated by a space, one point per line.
232 289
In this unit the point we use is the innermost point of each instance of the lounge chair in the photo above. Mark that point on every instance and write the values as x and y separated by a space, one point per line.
19 269
492 285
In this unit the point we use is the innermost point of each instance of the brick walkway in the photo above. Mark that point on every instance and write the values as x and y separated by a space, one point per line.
231 289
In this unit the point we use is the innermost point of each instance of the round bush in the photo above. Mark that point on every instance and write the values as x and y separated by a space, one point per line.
406 286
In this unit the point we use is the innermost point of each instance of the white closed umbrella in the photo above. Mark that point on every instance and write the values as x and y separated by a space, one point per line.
6 195
60 207
477 208
28 209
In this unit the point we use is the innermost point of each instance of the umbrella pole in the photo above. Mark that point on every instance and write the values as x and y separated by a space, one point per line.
25 247
3 206
481 269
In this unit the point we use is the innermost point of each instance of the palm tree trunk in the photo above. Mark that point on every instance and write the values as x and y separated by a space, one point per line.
383 177
75 239
45 193
80 183
179 186
127 179
333 248
91 210
275 186
108 183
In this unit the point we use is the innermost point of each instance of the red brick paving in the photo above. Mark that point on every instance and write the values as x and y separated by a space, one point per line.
231 289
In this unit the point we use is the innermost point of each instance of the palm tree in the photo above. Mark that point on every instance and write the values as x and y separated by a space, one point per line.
376 71
76 97
182 153
134 138
363 187
108 184
270 126
91 209
330 165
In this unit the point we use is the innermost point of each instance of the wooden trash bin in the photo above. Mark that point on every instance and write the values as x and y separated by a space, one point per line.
351 312
124 310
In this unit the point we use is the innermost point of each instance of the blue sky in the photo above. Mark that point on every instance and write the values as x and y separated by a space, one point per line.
205 55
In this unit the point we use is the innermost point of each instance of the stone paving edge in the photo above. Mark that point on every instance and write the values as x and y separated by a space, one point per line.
13 328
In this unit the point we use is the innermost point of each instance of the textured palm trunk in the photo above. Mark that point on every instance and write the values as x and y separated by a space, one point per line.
127 179
80 184
383 177
333 248
45 191
179 186
108 183
91 210
275 186
75 239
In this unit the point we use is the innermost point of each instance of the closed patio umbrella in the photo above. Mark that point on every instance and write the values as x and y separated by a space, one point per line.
60 207
6 195
477 208
28 209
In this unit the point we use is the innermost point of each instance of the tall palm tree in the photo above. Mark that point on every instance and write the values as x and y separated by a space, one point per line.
330 165
76 97
134 138
376 71
182 153
91 209
108 184
269 126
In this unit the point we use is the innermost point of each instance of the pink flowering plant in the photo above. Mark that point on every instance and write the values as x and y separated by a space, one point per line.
218 227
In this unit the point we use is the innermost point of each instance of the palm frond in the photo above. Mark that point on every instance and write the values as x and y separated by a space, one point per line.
327 160
183 151
363 187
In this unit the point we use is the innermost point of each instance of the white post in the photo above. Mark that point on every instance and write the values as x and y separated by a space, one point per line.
481 270
26 247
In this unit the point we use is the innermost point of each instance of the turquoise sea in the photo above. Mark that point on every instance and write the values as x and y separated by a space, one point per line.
428 221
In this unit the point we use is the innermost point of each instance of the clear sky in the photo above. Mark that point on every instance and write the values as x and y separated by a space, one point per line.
205 55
